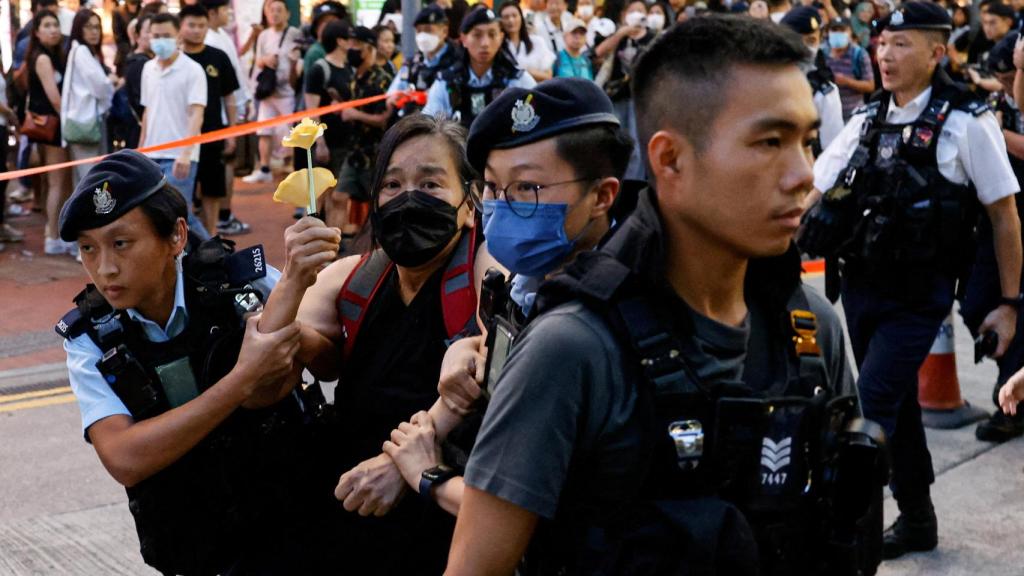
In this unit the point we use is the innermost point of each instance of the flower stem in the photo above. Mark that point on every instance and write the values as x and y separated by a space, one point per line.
311 209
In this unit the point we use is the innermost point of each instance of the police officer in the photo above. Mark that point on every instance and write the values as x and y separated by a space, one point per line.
172 381
806 21
552 158
596 444
483 70
982 292
900 185
434 53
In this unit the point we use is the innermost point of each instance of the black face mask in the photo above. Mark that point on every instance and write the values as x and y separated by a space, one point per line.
414 227
355 57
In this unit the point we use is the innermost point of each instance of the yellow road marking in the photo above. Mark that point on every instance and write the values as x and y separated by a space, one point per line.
38 403
35 394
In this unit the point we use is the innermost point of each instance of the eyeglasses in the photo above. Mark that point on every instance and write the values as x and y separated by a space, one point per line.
521 196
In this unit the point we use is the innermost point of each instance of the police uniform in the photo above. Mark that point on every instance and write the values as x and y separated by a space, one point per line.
458 92
603 396
807 20
982 293
224 504
420 72
900 186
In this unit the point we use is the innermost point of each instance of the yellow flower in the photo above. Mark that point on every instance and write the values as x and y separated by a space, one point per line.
295 188
304 134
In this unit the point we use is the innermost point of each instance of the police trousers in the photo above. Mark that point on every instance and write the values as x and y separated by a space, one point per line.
891 337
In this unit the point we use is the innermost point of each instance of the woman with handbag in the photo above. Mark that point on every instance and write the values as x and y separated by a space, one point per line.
86 93
42 123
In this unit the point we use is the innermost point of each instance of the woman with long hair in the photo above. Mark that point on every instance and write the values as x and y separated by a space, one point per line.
86 93
45 62
531 52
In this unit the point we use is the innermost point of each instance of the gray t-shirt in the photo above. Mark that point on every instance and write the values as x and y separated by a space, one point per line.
564 413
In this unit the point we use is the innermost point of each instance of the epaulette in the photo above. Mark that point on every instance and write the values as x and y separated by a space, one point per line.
871 107
89 304
827 88
974 107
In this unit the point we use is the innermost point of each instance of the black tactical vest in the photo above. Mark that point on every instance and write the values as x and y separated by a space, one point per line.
421 75
469 101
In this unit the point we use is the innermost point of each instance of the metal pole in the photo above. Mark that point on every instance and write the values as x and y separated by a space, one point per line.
409 10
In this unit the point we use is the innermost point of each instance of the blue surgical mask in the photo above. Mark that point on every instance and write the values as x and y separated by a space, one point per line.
163 47
533 246
838 40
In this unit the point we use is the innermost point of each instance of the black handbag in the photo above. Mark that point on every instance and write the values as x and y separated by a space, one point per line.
266 80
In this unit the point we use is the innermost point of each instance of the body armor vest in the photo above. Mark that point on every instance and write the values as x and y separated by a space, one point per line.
421 76
467 102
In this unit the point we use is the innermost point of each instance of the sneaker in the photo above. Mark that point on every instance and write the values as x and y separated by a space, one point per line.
20 195
258 176
232 227
1000 428
54 246
9 233
914 531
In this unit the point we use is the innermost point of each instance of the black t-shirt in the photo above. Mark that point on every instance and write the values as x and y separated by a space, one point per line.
320 79
133 65
220 82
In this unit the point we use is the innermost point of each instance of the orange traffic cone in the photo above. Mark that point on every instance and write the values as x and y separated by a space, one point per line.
938 388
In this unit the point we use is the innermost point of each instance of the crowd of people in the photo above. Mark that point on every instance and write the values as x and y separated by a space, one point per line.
556 283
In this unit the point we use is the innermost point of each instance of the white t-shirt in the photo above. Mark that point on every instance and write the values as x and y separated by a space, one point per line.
540 58
969 149
553 35
86 91
267 44
167 94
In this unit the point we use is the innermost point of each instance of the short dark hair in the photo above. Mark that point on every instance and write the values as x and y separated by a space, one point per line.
163 209
165 18
193 11
596 151
38 4
333 31
691 63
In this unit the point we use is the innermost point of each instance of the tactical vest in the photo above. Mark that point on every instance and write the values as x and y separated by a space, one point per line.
467 102
1013 120
787 481
458 291
891 212
421 76
196 516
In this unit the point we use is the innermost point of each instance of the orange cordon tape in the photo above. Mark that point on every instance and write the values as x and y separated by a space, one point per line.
813 267
222 134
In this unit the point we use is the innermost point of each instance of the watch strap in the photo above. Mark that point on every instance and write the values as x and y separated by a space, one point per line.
434 477
1015 301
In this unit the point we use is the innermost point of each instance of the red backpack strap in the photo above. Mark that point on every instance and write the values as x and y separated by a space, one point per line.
358 291
458 291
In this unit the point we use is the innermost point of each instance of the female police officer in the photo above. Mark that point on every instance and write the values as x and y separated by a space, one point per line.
160 366
382 322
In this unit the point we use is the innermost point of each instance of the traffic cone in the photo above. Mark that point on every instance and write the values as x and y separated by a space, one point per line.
938 389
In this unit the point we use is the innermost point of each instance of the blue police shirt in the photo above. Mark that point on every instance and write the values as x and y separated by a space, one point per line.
437 97
401 81
96 400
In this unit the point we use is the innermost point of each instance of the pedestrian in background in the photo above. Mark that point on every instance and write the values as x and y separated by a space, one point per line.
533 53
573 60
132 70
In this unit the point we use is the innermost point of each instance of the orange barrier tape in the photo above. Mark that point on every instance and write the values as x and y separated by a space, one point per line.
813 266
222 134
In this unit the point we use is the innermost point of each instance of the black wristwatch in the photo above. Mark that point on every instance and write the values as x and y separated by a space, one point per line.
1015 301
435 476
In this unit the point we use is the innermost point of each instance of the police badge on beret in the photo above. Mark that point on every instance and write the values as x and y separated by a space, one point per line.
897 18
524 117
102 200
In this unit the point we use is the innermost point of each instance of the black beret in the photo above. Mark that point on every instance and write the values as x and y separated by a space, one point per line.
803 20
365 34
739 7
521 116
431 14
329 8
1002 10
839 22
1000 57
111 189
917 16
480 14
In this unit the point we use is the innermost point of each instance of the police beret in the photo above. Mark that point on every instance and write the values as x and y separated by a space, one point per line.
432 14
1002 10
739 7
111 189
1000 57
839 22
917 16
480 14
803 20
365 34
521 116
328 8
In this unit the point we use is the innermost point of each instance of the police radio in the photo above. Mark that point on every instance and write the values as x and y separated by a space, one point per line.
501 333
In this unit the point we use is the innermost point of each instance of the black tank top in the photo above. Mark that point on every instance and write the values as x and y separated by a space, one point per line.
38 102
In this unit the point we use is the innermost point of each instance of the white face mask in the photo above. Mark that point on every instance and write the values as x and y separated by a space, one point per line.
635 19
585 11
656 22
427 42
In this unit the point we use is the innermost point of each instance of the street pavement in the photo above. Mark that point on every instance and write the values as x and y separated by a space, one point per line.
60 513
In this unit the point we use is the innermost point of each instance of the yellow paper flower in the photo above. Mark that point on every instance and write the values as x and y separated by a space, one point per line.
304 134
295 188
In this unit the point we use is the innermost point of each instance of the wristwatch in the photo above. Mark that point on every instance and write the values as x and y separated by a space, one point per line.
1015 301
435 476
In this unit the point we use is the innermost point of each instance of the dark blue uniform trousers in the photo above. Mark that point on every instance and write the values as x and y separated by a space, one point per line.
891 336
